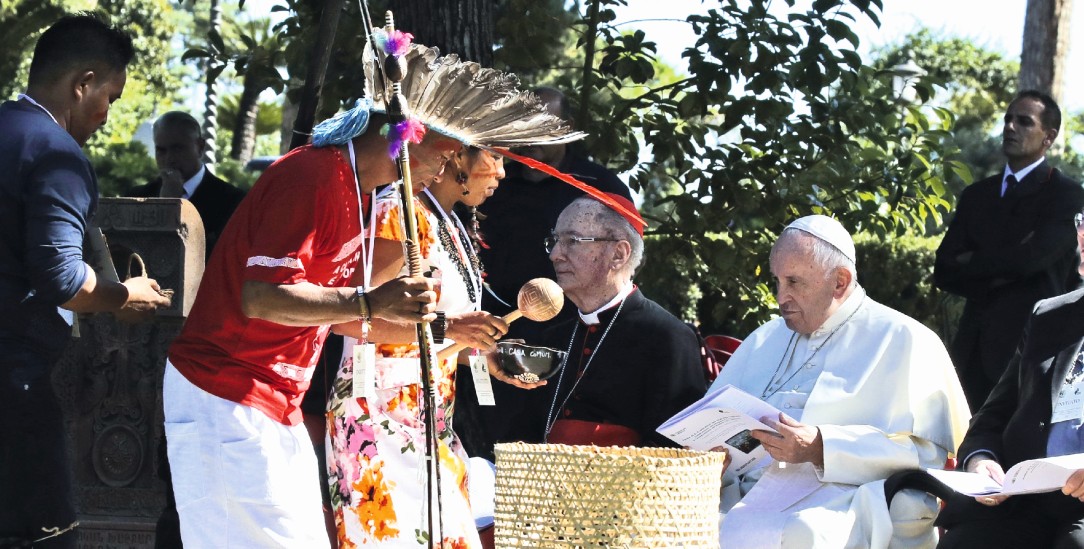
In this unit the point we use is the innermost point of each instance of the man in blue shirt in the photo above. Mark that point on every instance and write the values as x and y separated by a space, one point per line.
48 193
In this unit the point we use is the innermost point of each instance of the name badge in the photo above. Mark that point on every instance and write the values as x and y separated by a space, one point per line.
1070 403
364 380
483 386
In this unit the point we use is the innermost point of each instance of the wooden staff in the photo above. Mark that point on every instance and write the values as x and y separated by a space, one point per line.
394 71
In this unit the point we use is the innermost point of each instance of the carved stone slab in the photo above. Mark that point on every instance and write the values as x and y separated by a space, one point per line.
115 535
150 227
109 381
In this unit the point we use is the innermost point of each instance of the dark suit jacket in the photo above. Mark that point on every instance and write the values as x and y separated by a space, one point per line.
1015 421
215 200
1024 250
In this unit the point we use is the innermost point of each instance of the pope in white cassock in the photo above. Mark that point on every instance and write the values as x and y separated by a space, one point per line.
865 391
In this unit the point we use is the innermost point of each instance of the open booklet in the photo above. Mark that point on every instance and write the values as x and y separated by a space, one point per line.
1027 477
724 418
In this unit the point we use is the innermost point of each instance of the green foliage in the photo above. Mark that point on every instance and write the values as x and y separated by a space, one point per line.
899 274
531 36
251 48
977 87
343 81
151 80
978 83
1072 159
235 173
779 118
21 22
268 119
122 166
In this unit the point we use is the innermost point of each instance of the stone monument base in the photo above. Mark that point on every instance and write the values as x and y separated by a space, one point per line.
108 534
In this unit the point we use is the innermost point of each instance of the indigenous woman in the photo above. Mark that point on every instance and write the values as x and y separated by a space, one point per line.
376 426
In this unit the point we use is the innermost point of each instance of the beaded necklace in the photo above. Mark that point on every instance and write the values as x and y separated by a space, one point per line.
459 250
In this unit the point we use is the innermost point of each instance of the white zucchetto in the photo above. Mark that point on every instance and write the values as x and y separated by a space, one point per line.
828 230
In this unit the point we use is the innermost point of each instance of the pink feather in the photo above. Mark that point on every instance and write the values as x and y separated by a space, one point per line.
398 43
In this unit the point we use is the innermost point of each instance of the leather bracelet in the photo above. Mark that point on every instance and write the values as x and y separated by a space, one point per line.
439 327
364 311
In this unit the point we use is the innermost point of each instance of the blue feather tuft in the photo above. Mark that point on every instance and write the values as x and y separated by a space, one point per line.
344 126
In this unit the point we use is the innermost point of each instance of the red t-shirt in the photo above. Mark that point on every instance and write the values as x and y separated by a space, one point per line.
299 223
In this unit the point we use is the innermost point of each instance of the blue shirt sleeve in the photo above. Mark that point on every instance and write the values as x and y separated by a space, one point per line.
59 194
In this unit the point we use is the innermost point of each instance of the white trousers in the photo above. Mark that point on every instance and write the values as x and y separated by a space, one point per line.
240 478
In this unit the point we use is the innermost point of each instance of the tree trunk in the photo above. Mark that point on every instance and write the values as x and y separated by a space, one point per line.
1046 46
463 27
317 69
588 64
289 114
244 131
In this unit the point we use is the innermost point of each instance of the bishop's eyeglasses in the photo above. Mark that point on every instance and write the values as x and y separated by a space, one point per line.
554 239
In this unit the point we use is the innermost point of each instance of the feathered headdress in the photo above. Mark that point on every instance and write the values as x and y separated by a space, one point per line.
474 105
463 100
477 106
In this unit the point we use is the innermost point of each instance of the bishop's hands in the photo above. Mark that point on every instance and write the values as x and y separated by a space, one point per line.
795 442
496 372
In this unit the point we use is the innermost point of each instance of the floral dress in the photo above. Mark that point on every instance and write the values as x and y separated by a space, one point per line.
376 446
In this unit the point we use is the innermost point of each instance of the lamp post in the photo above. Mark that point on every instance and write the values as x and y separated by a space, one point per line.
904 76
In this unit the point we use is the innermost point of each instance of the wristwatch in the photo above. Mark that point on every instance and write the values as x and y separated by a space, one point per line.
364 312
438 327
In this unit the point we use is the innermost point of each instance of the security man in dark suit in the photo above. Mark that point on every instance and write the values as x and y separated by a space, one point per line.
1034 411
178 150
1011 243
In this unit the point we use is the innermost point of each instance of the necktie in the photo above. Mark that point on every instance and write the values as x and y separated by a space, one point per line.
1010 184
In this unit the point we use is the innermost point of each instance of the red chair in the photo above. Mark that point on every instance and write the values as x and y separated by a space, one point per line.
486 537
721 348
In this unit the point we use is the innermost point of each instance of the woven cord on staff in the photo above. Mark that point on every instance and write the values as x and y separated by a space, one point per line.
402 135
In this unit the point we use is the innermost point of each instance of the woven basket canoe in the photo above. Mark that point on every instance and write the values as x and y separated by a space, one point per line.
556 495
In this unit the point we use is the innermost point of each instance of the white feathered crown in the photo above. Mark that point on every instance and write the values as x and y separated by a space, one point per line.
463 100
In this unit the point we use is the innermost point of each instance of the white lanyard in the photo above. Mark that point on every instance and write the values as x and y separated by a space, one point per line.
38 105
366 251
475 278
